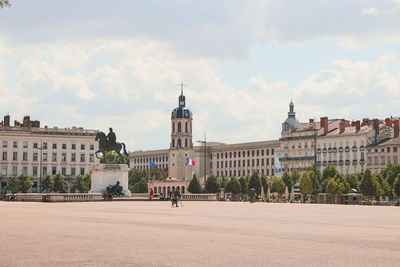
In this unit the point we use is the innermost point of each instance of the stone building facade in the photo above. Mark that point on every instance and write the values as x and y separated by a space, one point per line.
29 149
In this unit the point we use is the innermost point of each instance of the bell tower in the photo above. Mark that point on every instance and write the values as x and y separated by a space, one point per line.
181 146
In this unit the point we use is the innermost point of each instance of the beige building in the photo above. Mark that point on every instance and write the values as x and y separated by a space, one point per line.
28 149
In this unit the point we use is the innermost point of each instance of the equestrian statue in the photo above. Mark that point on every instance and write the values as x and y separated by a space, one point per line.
109 143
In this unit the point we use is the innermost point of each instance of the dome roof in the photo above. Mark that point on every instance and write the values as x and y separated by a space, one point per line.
291 124
181 112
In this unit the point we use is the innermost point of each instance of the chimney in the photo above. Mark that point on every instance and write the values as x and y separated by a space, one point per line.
16 123
388 122
26 121
311 121
358 126
396 129
353 124
365 121
376 128
324 124
6 120
342 126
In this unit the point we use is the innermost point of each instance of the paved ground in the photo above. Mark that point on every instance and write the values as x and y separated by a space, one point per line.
200 233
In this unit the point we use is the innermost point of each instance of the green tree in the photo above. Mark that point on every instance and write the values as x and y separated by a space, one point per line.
223 181
306 186
59 184
396 186
254 182
233 186
140 187
194 185
136 175
13 185
295 174
331 187
25 183
212 185
353 182
278 186
112 157
368 186
287 179
4 3
47 183
243 184
82 183
392 172
383 188
343 185
264 183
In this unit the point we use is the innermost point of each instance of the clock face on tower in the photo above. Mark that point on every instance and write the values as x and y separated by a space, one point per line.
181 103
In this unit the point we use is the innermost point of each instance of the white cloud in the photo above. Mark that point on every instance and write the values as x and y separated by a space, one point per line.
370 10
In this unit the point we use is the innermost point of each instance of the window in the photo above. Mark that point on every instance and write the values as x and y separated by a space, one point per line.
64 157
73 146
35 171
54 170
44 170
73 171
64 146
82 146
267 151
82 171
35 156
45 156
25 170
25 145
45 145
272 151
91 157
15 145
54 156
4 170
4 144
15 155
35 145
73 157
63 171
186 127
179 127
4 155
25 156
91 147
14 170
54 145
395 149
82 157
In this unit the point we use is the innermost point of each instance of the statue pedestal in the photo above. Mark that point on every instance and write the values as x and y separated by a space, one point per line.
104 175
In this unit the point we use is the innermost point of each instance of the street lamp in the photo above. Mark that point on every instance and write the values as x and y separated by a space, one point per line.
205 156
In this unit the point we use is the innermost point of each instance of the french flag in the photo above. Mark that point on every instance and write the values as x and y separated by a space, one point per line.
189 162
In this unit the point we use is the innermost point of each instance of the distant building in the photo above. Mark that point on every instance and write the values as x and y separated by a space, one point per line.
28 149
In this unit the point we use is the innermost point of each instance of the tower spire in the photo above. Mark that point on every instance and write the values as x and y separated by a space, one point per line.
182 97
182 85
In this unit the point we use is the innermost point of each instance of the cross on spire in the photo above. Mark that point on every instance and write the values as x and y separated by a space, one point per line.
182 85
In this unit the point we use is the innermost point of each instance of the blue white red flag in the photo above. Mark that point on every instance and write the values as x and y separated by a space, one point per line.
189 162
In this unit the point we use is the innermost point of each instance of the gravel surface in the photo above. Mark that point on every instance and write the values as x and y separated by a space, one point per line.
198 234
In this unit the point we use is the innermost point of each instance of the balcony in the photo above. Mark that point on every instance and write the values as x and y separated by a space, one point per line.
318 163
324 162
354 148
341 149
318 150
362 161
347 162
362 148
341 162
354 162
347 149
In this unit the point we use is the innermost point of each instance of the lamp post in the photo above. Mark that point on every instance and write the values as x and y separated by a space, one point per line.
205 156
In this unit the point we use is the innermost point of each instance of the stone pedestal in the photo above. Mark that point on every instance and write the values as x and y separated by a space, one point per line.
104 175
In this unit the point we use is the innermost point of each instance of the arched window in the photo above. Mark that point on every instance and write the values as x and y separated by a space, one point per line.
169 189
183 190
155 190
179 127
186 142
173 127
159 189
173 189
186 127
173 142
164 189
179 145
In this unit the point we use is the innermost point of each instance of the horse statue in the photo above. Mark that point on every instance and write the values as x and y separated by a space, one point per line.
106 145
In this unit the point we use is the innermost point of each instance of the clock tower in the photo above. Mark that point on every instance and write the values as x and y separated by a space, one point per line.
181 146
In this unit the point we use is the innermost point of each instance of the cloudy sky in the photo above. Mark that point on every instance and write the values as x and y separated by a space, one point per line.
99 63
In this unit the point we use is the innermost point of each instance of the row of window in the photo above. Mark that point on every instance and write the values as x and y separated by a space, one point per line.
299 145
44 145
333 145
334 156
146 167
180 145
383 160
35 171
35 156
243 153
153 159
179 126
253 163
231 173
388 149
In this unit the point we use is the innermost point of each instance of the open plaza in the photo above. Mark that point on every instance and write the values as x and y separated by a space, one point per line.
152 233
